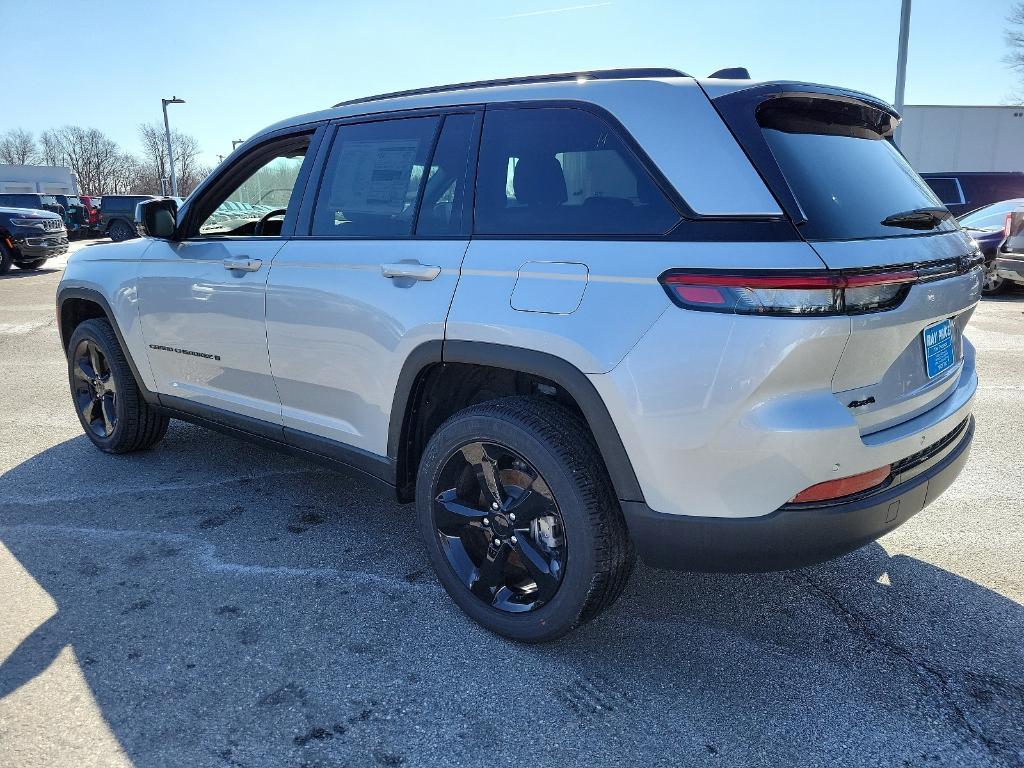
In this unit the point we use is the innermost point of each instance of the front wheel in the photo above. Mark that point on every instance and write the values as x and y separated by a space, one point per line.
520 520
107 399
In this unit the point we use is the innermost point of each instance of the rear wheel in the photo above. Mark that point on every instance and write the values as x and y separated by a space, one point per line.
992 283
119 231
519 518
107 399
31 264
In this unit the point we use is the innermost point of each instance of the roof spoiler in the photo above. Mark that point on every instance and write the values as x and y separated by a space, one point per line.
730 73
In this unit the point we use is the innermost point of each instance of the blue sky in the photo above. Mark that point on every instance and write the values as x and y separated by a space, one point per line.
244 64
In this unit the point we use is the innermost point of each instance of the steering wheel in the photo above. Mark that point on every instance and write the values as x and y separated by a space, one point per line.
259 224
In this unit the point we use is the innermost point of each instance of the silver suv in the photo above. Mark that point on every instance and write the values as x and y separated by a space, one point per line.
574 317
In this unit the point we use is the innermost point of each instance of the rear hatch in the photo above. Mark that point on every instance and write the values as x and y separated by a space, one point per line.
828 156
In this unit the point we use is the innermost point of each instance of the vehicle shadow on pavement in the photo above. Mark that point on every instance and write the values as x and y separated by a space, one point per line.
229 606
16 273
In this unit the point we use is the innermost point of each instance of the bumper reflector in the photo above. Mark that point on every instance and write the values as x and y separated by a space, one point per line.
844 486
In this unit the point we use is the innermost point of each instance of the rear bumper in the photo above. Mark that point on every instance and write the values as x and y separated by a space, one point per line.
1010 269
797 535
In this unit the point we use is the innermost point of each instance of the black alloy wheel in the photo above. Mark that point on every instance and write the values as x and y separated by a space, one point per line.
519 518
95 389
500 527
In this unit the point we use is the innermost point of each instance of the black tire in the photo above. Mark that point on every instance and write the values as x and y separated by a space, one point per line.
5 260
29 265
599 554
119 232
135 425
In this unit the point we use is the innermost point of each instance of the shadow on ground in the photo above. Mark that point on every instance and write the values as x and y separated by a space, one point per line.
228 606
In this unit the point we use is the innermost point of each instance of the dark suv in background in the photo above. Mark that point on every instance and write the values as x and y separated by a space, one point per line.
76 217
117 215
28 237
962 192
34 200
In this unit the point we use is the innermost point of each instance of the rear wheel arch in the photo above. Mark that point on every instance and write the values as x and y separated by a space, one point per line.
438 380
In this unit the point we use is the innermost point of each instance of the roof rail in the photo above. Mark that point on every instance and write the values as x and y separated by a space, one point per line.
595 74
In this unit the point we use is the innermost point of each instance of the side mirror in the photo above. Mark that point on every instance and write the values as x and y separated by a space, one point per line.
157 218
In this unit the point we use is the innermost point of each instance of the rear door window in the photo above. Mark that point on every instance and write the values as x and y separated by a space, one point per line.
373 178
847 176
563 171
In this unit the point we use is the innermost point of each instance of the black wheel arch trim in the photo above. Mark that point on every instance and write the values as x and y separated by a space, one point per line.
551 367
94 296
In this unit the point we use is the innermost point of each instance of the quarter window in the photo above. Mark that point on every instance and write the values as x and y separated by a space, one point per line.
373 177
559 171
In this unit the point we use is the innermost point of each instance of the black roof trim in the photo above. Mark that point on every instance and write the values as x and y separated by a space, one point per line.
595 74
730 73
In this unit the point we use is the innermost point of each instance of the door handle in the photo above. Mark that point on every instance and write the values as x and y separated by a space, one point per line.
243 264
413 270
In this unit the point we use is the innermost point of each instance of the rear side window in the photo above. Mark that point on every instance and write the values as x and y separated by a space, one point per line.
563 171
947 189
845 174
373 177
445 191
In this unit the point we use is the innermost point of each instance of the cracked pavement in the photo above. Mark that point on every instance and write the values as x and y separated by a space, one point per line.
211 603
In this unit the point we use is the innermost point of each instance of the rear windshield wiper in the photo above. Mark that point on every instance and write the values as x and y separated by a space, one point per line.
919 218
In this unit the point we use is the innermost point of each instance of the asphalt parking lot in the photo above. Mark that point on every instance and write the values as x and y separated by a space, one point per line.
210 603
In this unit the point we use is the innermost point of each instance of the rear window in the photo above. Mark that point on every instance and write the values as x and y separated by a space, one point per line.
845 174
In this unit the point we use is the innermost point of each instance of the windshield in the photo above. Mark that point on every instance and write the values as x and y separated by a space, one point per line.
846 176
991 217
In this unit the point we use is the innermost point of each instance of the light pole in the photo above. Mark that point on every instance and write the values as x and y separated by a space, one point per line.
901 63
170 151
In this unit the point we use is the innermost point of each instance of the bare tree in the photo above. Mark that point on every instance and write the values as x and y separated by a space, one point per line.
186 157
18 147
1014 35
88 152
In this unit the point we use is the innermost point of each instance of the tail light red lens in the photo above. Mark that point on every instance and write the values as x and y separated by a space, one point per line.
1006 225
821 293
844 486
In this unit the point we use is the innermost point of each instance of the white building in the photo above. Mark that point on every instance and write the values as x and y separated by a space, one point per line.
47 179
949 139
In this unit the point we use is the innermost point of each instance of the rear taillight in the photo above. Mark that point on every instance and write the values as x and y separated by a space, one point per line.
844 486
787 293
1006 225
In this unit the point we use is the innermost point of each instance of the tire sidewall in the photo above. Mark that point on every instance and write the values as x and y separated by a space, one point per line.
91 330
6 260
564 610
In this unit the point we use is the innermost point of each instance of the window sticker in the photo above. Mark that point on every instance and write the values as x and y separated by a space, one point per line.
373 176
